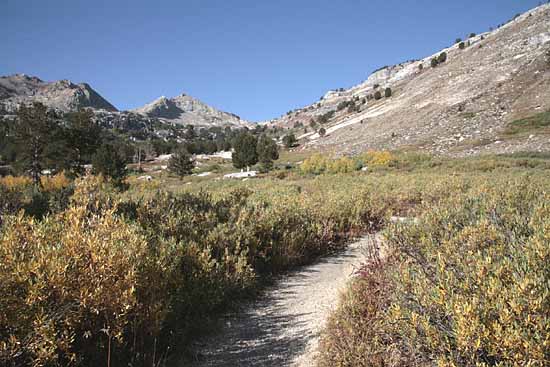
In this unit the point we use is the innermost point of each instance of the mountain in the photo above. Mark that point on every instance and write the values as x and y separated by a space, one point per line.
66 96
185 110
62 95
465 105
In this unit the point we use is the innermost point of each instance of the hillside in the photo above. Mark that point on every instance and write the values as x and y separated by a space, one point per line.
462 106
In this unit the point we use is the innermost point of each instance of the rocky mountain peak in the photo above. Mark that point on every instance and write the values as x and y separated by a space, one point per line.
184 109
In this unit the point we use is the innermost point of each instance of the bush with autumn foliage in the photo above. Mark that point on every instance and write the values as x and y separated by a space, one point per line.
466 284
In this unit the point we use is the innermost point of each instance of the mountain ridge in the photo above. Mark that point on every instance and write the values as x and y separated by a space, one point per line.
66 96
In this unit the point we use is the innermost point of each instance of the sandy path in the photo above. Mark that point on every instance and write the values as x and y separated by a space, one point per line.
282 327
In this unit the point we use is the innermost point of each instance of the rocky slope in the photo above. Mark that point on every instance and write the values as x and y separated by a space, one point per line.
185 110
462 106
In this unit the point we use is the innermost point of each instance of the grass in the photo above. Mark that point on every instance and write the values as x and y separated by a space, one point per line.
537 124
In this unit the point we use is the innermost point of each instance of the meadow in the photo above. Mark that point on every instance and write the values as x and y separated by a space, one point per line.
94 276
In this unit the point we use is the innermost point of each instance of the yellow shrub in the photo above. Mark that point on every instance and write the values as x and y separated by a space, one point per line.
318 164
67 281
342 165
378 158
15 182
55 183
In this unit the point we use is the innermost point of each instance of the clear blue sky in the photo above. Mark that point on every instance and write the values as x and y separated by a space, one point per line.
256 58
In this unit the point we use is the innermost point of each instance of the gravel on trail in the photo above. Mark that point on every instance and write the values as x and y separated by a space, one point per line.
282 326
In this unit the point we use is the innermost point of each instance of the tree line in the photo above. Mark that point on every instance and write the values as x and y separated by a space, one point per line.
40 140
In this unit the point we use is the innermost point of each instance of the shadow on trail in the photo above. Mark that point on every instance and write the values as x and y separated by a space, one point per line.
277 327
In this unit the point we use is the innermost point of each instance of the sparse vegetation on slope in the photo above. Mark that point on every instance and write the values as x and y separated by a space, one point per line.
537 124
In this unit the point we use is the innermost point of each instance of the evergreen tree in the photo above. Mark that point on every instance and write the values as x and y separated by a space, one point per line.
110 163
245 154
181 163
267 152
83 138
34 129
290 140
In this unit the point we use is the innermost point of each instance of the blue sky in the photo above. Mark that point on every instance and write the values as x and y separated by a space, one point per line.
256 58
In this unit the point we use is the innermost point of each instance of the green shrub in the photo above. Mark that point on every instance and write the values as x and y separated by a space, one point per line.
442 57
434 62
387 92
377 95
462 45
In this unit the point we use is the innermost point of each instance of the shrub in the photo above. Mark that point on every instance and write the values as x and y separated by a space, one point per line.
442 57
16 183
475 306
377 159
57 182
472 35
322 132
420 66
81 297
458 40
434 62
377 95
387 92
342 105
464 285
462 45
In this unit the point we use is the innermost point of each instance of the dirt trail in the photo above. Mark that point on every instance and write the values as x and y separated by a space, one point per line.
281 328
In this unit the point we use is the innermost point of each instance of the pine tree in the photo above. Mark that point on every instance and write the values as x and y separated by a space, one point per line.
34 129
181 163
290 140
110 163
83 138
245 154
267 152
